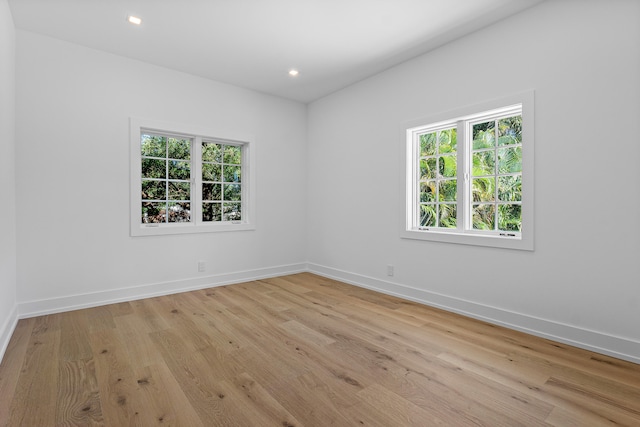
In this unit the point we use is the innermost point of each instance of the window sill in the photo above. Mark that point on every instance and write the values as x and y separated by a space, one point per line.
168 229
522 242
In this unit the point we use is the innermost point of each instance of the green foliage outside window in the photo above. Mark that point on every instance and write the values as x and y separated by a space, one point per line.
438 179
496 183
496 176
221 182
166 174
166 180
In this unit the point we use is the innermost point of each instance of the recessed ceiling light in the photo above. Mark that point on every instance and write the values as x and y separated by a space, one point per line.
134 20
293 73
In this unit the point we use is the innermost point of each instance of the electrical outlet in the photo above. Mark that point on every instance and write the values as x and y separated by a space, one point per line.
202 266
389 270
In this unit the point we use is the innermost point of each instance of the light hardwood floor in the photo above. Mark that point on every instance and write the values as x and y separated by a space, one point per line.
300 350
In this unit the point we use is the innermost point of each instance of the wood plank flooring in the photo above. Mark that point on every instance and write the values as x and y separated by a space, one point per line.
300 350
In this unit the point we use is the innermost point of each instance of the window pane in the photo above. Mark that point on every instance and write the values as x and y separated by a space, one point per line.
232 173
232 154
428 144
510 130
484 163
510 188
211 152
179 190
211 172
179 148
483 217
510 160
427 215
211 212
179 170
449 190
153 146
232 212
448 141
180 212
232 192
510 217
428 191
483 189
448 166
428 168
211 192
154 190
484 135
448 215
153 212
154 168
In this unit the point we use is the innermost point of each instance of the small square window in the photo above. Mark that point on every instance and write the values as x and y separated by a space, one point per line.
184 180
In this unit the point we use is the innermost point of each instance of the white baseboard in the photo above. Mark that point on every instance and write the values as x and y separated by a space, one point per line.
6 330
618 347
598 342
75 302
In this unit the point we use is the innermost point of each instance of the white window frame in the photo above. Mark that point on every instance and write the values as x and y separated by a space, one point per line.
198 134
461 118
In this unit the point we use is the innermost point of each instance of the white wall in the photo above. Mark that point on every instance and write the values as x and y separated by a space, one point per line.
8 312
329 177
580 285
72 162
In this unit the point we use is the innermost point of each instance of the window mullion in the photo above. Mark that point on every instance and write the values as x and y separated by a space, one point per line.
166 181
438 178
463 154
415 165
496 168
244 188
196 180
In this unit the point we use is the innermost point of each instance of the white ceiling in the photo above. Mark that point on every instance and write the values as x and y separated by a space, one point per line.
254 43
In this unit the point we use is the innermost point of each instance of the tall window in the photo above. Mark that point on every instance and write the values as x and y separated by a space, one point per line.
496 174
166 178
185 181
438 192
221 182
469 175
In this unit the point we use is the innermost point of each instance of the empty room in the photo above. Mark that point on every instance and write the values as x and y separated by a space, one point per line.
315 213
